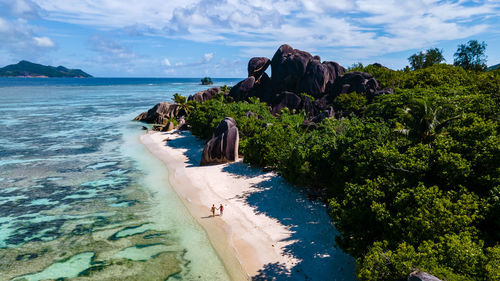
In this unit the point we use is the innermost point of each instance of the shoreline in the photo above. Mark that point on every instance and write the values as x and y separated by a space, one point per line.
258 237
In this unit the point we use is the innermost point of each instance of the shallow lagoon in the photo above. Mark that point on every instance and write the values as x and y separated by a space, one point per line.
80 198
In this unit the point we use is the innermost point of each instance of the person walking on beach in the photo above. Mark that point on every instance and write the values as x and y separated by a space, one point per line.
221 209
213 210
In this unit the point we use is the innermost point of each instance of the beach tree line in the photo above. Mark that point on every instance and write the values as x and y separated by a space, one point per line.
412 179
470 56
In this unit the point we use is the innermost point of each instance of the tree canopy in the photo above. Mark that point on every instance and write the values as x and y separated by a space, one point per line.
425 59
471 56
412 178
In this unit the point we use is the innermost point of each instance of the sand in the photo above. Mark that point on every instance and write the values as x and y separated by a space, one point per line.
269 229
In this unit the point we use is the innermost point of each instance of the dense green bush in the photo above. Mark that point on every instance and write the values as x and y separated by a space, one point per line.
412 178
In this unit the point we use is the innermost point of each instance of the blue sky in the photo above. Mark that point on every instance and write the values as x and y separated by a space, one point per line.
193 38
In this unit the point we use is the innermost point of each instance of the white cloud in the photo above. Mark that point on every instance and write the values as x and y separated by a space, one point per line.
19 40
208 57
366 27
110 49
166 62
43 42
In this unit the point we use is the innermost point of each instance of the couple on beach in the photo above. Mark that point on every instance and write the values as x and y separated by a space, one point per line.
221 209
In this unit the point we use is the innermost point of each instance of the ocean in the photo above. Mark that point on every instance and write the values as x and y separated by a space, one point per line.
80 197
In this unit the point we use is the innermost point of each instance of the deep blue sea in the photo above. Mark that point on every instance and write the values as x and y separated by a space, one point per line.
80 197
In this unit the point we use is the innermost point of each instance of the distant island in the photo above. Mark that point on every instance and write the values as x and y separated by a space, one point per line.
206 81
29 69
494 67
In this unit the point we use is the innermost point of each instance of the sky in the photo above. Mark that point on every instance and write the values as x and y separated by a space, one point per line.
193 38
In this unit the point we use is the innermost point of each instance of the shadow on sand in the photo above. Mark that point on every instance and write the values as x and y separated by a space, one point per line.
312 233
193 152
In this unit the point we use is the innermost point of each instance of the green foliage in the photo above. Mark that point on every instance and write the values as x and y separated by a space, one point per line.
225 89
356 67
412 178
450 257
173 120
471 56
205 117
179 99
350 102
302 95
426 59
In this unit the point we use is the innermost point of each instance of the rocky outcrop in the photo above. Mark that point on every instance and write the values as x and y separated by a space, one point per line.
257 66
319 77
258 83
359 82
179 124
161 113
288 66
166 117
223 146
299 72
293 102
422 276
204 95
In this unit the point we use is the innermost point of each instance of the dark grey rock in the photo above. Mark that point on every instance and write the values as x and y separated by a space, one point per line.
223 146
251 114
359 82
257 66
288 66
160 113
204 95
422 276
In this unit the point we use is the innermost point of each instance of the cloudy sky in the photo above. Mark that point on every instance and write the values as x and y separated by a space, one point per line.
193 38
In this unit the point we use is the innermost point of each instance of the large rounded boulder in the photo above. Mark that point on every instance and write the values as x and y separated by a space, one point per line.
359 82
223 146
288 66
318 77
204 95
422 276
161 113
252 88
257 66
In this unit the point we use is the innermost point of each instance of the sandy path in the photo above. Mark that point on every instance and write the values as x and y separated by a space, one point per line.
269 230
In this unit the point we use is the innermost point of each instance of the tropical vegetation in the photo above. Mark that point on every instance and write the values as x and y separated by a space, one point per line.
412 179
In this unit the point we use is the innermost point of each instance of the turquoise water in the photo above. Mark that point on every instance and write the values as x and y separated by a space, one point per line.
80 197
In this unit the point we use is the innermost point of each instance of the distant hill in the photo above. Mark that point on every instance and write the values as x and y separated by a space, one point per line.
29 69
493 67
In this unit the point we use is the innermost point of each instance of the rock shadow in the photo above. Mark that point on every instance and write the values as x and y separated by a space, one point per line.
312 234
193 146
241 170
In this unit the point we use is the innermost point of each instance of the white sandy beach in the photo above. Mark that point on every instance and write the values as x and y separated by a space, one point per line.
269 230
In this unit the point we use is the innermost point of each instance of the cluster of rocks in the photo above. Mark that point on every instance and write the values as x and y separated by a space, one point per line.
300 81
221 148
165 116
204 95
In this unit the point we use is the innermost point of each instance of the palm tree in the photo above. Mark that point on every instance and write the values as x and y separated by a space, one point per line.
183 104
424 121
